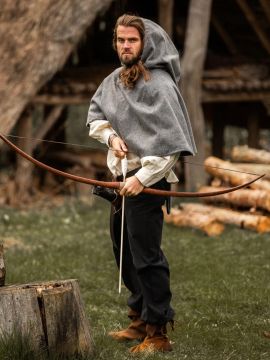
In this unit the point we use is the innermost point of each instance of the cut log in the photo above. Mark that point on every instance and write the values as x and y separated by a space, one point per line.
258 223
255 168
49 315
246 154
242 197
204 222
2 266
220 168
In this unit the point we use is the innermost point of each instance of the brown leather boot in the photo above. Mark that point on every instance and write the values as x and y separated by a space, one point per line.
135 331
156 340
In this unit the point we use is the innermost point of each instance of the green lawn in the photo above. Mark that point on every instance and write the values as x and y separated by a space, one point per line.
221 286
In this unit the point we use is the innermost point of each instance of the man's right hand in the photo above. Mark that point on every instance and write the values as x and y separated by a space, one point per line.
119 147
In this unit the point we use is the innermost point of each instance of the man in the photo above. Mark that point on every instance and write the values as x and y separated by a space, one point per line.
139 113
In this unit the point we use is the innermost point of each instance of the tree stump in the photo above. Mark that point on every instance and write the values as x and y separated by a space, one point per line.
50 315
2 266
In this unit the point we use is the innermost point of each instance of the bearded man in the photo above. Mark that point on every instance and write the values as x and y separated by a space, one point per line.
139 113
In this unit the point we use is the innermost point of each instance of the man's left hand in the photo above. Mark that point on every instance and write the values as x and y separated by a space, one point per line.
132 187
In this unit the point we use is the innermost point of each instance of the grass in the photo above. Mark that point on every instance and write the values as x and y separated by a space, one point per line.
221 287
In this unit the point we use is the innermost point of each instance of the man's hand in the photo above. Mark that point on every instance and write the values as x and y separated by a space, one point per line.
132 187
119 147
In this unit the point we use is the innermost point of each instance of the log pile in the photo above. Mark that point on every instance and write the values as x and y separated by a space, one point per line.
198 220
247 208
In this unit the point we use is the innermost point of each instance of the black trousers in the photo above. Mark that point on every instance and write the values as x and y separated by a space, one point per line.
145 268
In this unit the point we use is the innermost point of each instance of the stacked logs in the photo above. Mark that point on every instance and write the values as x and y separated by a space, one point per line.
247 208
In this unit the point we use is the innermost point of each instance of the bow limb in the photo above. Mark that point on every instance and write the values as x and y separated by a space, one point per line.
200 194
114 185
117 184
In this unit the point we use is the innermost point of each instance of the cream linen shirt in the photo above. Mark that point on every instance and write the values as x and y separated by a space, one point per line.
152 168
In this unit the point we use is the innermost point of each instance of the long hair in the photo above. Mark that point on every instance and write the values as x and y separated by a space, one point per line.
129 75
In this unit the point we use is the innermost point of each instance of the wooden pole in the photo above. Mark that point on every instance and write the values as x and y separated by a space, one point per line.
253 126
165 15
266 8
48 123
195 49
218 127
255 24
225 36
2 266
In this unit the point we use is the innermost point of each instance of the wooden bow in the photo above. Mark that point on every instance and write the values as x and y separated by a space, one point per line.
117 184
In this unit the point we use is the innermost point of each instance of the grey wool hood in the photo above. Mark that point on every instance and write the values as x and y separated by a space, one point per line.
151 118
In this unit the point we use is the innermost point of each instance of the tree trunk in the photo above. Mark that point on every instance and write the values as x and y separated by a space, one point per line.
242 197
192 71
246 154
220 168
204 222
49 315
258 223
2 266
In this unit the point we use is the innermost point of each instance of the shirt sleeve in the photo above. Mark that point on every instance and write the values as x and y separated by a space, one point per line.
154 168
101 130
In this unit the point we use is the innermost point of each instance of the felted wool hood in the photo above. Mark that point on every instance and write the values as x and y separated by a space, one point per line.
151 118
159 51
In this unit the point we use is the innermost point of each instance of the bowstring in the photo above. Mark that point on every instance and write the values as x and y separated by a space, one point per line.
221 168
52 141
129 152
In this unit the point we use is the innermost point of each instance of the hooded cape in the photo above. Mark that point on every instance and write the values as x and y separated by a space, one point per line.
151 118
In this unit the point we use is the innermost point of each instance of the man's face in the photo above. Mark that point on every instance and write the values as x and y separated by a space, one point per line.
128 44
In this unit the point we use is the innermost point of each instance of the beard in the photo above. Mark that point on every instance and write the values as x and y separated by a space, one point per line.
130 60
